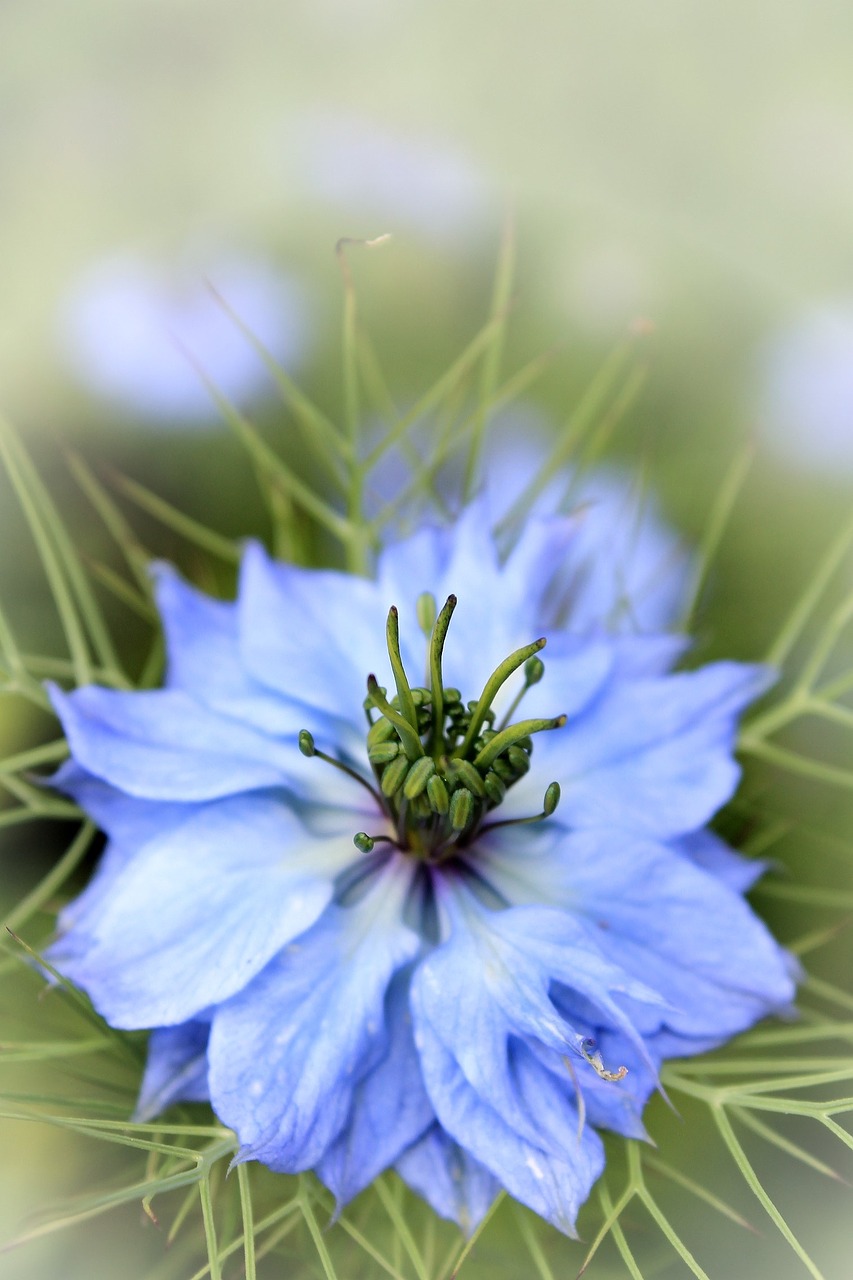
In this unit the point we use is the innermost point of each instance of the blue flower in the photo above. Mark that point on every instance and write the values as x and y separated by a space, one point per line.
344 905
134 332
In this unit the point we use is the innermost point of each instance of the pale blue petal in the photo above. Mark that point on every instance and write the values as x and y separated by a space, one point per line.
712 854
129 819
652 755
673 926
164 745
608 1104
176 1070
204 659
314 635
492 980
448 1177
198 911
489 622
287 1053
629 573
390 1108
554 1186
576 673
681 931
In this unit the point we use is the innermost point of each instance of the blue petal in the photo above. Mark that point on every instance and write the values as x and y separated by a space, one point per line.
554 1186
314 635
287 1053
128 819
176 1070
607 1104
198 911
712 854
630 575
492 980
204 659
390 1109
651 755
680 930
456 1185
460 561
164 745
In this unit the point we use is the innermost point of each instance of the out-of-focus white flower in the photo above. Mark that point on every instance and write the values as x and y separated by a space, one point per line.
806 390
139 333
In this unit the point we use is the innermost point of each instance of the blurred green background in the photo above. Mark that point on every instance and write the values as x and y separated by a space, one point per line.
687 162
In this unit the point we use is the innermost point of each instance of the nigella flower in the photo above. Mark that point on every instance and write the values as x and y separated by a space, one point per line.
134 331
398 886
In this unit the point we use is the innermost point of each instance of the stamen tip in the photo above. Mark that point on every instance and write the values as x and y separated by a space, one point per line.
552 799
306 743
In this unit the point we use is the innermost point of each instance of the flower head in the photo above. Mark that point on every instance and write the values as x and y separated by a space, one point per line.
413 871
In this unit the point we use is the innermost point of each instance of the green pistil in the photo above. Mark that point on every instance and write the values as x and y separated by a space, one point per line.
436 653
404 693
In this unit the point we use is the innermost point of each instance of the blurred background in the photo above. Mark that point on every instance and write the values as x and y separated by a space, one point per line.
685 163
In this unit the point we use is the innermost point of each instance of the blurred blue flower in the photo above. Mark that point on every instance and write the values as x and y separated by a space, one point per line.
806 390
364 934
405 180
141 335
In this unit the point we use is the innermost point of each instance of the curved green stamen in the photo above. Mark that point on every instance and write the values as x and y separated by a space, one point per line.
404 692
498 677
408 736
507 737
436 651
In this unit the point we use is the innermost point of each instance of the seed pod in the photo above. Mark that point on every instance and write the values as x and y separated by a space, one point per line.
461 809
383 752
418 777
394 775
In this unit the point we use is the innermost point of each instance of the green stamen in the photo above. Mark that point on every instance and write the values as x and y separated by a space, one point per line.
498 677
534 670
408 736
436 652
425 611
307 747
440 763
509 737
404 693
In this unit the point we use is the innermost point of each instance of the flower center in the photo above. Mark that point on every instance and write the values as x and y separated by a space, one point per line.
442 765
